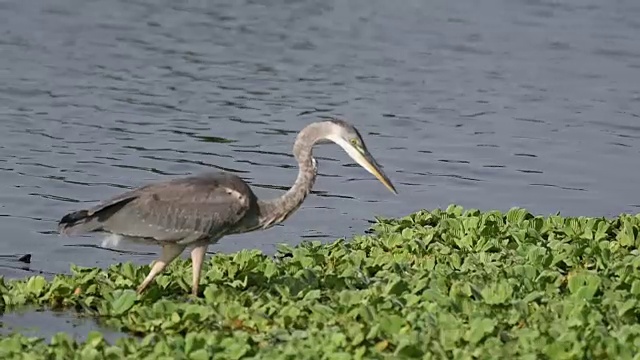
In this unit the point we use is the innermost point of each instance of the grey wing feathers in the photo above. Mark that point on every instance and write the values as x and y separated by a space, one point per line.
197 206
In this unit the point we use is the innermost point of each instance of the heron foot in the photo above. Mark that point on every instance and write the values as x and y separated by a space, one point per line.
169 253
140 289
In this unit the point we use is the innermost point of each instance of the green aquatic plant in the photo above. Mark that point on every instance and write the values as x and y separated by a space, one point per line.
451 284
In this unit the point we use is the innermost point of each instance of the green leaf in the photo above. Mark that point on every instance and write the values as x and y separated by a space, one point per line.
635 287
516 215
270 269
200 354
193 343
94 339
123 301
478 328
584 285
36 285
626 237
391 324
497 293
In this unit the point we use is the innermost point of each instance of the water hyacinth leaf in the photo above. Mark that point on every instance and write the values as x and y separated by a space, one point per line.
194 343
478 328
234 348
129 271
391 324
89 354
455 210
396 287
270 269
497 293
200 354
94 339
602 229
531 297
408 233
312 295
516 215
36 285
382 345
584 284
627 236
123 300
626 306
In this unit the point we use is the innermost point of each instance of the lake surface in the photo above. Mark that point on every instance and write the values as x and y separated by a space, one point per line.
488 104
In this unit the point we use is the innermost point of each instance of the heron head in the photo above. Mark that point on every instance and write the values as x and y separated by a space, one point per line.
348 138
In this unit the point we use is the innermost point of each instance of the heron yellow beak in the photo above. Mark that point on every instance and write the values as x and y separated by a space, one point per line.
366 160
362 156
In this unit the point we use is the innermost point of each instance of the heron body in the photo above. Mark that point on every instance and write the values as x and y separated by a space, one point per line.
197 211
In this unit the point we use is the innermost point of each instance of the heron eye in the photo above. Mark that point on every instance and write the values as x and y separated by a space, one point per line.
355 142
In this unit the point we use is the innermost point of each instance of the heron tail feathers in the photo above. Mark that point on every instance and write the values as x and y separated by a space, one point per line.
78 222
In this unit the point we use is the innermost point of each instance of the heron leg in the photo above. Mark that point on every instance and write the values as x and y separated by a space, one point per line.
197 257
169 253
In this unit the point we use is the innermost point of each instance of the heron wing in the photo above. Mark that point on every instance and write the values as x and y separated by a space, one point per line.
197 206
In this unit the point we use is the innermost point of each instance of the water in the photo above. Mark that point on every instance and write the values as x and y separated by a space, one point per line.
30 323
488 104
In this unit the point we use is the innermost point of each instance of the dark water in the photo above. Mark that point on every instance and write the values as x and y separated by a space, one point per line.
488 104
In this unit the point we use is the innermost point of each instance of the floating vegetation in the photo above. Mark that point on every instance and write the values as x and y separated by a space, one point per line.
445 284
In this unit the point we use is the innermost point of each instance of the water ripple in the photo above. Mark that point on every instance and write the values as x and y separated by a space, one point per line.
197 162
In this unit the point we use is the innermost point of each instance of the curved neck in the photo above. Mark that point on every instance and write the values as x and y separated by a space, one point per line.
277 210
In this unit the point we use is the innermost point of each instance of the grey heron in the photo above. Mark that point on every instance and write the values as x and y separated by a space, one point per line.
197 211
